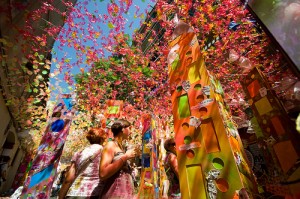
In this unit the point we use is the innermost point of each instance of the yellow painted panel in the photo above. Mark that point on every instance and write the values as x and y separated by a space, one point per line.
263 106
195 182
194 74
113 109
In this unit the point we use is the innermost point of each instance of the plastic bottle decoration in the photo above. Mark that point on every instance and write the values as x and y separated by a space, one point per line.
293 92
298 123
186 86
173 54
212 175
233 56
180 27
245 64
297 91
287 82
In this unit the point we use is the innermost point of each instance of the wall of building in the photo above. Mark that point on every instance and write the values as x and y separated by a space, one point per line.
14 77
11 153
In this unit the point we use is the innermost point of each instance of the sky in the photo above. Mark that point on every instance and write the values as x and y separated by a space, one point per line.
79 32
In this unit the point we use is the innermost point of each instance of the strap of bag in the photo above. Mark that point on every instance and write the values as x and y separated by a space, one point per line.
87 162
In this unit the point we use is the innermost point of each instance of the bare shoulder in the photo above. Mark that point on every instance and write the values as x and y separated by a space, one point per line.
172 157
110 146
107 154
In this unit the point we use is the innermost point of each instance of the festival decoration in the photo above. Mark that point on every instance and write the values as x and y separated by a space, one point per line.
209 144
233 56
296 91
298 123
43 169
228 38
114 109
278 132
149 185
145 81
209 17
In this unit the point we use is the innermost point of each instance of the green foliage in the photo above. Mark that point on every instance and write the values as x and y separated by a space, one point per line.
120 76
147 71
80 78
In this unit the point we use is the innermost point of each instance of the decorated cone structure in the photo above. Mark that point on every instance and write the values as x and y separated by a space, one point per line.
211 160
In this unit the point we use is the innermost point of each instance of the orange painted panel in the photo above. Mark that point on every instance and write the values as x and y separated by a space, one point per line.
286 154
178 75
277 125
195 94
192 52
183 129
253 88
209 136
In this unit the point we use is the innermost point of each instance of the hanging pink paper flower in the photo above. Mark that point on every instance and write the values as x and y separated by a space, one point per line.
113 9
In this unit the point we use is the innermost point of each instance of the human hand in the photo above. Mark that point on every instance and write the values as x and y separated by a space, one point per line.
131 153
136 147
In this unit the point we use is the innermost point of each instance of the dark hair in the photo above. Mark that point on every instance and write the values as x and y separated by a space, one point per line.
95 138
168 143
118 125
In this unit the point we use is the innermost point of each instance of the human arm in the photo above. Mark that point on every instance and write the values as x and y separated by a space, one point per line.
109 168
70 177
174 164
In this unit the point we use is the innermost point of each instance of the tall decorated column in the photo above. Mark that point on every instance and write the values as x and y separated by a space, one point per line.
42 173
149 175
211 160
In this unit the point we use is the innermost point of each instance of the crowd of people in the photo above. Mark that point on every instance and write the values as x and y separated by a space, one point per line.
105 169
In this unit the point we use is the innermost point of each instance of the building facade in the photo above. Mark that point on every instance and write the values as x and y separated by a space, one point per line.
27 33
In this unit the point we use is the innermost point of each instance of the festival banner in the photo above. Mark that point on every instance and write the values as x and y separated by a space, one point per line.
42 173
113 111
149 176
114 108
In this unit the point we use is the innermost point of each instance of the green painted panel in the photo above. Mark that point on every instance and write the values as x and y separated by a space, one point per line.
183 106
113 109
